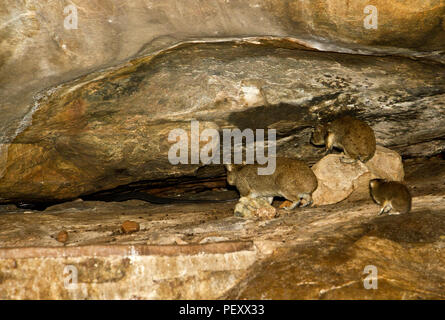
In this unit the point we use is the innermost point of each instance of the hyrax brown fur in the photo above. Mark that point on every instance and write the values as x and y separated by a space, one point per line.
391 195
292 179
353 136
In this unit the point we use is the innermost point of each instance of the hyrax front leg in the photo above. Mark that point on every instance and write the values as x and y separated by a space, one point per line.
303 196
307 198
293 205
329 143
347 159
385 209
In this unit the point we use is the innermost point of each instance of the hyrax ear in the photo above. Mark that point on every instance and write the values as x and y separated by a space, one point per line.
229 167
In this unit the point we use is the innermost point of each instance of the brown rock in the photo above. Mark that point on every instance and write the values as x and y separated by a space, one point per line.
387 165
250 208
338 181
62 236
335 179
130 226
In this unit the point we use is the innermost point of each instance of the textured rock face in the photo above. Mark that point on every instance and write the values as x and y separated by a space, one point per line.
111 127
146 272
39 51
338 181
202 251
406 254
91 108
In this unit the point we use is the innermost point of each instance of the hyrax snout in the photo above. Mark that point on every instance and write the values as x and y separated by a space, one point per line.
353 136
292 179
391 196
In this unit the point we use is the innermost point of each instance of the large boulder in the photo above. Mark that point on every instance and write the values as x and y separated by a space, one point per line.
339 180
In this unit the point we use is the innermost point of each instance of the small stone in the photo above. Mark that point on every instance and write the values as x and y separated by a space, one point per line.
130 226
266 213
254 208
62 236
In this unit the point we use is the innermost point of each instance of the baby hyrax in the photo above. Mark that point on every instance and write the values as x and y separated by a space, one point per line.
391 195
292 179
353 136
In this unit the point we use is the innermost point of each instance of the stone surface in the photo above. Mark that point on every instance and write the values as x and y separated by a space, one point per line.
111 127
90 109
37 51
335 267
133 273
338 180
202 251
386 165
251 208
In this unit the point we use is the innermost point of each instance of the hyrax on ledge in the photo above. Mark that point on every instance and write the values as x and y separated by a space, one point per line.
390 195
353 136
292 180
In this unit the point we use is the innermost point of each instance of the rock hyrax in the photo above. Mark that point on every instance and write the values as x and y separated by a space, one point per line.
292 180
353 136
390 195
